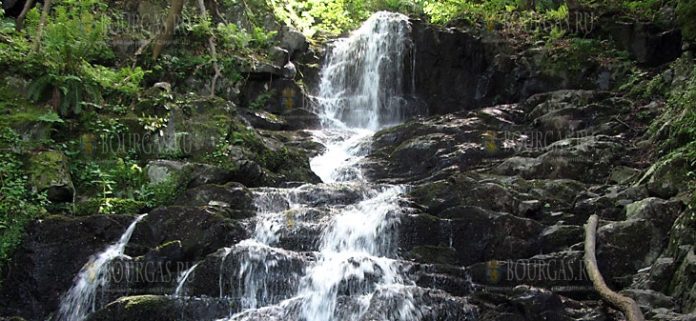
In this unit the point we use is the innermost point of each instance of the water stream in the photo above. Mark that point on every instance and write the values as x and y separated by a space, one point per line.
361 91
93 278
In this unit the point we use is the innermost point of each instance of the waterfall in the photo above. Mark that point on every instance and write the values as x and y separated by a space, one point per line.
362 80
181 281
80 300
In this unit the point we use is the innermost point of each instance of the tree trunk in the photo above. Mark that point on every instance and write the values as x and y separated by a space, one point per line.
174 12
39 31
22 15
213 51
625 304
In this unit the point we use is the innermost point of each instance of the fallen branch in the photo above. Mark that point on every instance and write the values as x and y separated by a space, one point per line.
625 304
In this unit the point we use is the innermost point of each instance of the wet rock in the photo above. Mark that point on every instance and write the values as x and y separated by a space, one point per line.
51 254
539 304
267 275
232 200
404 302
161 308
439 146
476 234
452 279
204 232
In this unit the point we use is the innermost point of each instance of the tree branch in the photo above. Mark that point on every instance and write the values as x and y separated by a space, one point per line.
22 15
625 304
174 12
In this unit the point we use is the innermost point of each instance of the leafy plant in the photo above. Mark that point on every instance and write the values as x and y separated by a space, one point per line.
18 204
686 14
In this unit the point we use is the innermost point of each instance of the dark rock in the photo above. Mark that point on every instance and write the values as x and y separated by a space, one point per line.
204 232
649 299
683 285
51 254
625 247
539 304
232 200
586 159
647 43
161 308
661 213
474 233
564 272
558 237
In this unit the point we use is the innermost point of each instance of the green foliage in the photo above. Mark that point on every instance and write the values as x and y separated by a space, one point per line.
261 100
125 81
75 36
18 203
686 14
121 187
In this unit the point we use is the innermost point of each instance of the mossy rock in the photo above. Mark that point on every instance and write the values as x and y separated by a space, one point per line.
161 308
48 171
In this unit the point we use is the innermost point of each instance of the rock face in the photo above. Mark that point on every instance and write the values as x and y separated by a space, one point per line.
646 42
50 256
455 70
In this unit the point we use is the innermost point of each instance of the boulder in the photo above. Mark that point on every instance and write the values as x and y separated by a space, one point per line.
293 41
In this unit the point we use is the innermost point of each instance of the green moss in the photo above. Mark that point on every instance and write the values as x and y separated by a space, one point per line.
123 206
144 302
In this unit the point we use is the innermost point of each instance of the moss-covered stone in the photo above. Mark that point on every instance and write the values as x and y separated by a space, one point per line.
48 171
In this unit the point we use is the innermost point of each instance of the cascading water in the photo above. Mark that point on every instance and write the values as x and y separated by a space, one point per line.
80 300
321 252
361 91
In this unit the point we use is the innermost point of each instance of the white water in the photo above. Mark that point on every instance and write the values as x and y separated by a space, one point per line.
80 300
360 93
181 281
